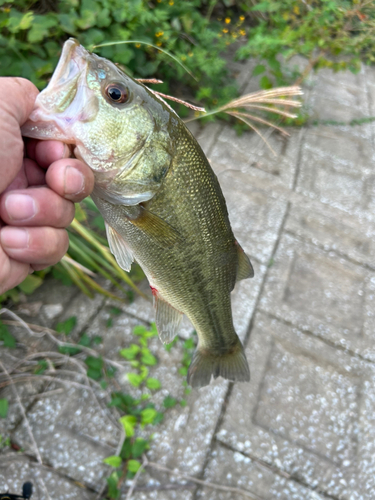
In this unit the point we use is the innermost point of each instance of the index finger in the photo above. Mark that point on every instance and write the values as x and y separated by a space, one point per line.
17 97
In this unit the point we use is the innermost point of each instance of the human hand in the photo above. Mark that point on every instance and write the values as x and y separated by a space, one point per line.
38 191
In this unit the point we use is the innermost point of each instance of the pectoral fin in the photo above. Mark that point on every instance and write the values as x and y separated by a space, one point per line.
153 226
245 269
167 318
119 248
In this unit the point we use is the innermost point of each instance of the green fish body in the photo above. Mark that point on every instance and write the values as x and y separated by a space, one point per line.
161 201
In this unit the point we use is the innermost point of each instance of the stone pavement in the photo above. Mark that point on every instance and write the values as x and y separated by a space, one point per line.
304 427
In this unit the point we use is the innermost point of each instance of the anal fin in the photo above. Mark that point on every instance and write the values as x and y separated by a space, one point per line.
167 318
119 248
245 269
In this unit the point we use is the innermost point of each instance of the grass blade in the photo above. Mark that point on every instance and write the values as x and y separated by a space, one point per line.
108 44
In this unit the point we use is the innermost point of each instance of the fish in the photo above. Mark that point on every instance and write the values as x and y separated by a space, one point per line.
160 199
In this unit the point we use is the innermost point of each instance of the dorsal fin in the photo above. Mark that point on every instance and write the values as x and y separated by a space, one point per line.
245 269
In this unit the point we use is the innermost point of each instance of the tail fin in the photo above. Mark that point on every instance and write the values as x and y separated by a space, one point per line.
232 365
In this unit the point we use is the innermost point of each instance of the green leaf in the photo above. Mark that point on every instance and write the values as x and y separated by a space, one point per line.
30 284
113 461
148 416
135 379
183 402
169 402
80 213
95 363
84 340
41 367
153 383
265 83
259 69
66 326
18 21
159 417
94 374
147 358
189 344
6 336
130 352
139 330
69 350
126 451
113 491
133 465
115 311
4 408
128 422
40 28
138 447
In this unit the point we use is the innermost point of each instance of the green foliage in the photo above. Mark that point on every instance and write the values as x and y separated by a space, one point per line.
95 367
4 406
6 336
30 39
337 34
66 326
113 461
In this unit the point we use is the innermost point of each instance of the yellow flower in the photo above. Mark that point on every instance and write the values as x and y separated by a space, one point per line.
227 20
171 2
190 54
242 32
158 44
183 58
137 45
159 33
225 30
242 18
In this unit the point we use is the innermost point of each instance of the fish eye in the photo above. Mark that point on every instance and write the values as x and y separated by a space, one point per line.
117 93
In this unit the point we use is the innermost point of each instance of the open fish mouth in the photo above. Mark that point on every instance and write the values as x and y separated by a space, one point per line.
64 101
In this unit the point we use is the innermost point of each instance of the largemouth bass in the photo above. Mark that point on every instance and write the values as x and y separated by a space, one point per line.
161 201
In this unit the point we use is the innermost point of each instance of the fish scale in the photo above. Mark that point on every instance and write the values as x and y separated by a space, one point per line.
160 199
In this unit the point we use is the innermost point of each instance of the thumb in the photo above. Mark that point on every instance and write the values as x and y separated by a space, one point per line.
17 97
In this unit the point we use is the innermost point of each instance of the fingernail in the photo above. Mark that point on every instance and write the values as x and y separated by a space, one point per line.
74 181
14 237
20 207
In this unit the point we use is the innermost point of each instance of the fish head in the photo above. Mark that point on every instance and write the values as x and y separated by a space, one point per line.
118 126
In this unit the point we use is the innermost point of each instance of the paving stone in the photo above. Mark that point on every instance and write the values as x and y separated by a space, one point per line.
255 212
249 153
322 293
231 468
339 96
336 168
308 411
183 439
72 434
332 229
55 297
47 484
84 309
26 391
163 495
